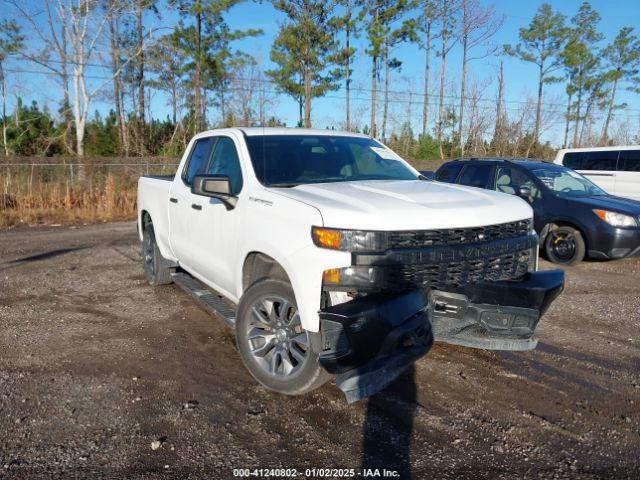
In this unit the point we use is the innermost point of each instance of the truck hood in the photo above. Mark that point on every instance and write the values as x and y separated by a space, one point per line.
407 205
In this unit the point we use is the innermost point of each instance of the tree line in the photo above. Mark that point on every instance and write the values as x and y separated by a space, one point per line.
109 51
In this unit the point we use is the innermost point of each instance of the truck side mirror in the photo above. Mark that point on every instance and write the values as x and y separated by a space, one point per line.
214 186
525 192
428 174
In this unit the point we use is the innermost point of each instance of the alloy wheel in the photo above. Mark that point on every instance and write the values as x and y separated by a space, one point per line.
277 341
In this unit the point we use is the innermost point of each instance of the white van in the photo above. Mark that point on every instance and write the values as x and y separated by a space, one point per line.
615 169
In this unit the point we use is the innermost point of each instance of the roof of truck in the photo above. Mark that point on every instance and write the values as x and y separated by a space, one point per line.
262 131
258 131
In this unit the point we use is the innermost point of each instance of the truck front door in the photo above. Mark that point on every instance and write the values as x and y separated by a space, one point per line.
215 239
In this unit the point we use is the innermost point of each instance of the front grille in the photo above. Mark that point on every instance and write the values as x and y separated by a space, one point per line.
507 266
458 236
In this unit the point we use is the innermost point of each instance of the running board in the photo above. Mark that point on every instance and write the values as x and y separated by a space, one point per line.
210 300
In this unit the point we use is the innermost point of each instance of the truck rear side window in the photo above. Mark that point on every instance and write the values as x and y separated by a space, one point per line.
629 161
198 159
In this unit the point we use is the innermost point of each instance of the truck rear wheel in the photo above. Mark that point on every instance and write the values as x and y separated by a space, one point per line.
274 347
155 265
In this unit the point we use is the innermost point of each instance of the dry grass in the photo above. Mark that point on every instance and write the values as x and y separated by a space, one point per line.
51 194
46 192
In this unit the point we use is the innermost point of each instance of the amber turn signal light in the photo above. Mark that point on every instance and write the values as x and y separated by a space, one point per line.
331 276
327 238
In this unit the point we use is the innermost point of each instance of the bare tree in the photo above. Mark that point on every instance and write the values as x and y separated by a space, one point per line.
71 39
477 26
11 41
448 10
480 117
424 37
81 23
249 100
116 60
498 131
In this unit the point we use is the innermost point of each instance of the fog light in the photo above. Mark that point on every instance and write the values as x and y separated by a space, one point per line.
355 276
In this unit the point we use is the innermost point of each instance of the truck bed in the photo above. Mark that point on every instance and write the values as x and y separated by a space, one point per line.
153 198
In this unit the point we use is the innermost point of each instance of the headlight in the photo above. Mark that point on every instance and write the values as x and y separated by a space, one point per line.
616 219
348 240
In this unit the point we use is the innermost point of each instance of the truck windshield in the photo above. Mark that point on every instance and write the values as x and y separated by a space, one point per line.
291 160
565 181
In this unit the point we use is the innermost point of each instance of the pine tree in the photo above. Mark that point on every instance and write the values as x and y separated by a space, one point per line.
383 34
305 52
349 23
541 43
623 59
580 57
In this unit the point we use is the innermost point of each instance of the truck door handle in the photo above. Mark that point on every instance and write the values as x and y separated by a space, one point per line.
195 206
173 200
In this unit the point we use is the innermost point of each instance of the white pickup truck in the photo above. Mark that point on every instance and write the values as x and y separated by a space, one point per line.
329 254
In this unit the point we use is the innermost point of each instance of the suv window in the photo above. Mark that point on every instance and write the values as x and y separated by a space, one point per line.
449 172
200 154
629 161
476 176
605 160
225 162
510 179
573 160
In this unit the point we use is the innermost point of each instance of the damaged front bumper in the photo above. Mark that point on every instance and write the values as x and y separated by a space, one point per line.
370 340
494 315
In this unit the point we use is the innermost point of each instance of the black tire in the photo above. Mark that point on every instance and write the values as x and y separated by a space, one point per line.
265 329
565 245
156 268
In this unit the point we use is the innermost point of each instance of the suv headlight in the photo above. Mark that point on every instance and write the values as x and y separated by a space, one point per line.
616 219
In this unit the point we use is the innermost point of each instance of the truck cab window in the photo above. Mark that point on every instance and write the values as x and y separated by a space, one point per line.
476 176
225 162
199 157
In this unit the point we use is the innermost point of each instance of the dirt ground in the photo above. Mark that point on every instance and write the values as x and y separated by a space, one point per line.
95 366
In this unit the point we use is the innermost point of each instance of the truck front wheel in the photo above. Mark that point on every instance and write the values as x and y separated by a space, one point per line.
155 266
274 347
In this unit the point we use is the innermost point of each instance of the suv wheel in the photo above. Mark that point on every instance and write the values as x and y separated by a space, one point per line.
274 347
565 245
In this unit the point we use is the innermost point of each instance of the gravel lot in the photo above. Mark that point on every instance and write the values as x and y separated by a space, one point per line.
96 366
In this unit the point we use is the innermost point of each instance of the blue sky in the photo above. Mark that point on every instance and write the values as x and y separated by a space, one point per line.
520 78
